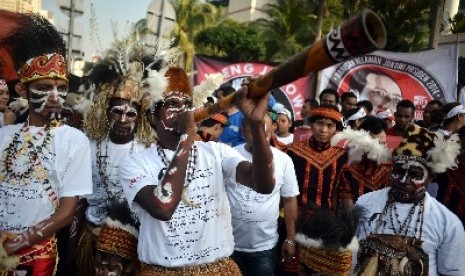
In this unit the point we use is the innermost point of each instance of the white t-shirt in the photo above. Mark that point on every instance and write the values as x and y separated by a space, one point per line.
68 169
443 234
193 236
254 215
97 201
286 140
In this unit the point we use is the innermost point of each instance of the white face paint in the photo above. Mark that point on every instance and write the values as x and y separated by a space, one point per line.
174 104
123 113
403 177
39 98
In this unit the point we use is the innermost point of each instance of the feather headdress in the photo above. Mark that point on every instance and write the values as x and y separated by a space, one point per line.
438 152
31 47
361 143
119 232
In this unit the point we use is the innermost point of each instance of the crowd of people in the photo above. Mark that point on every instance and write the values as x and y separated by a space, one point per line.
114 176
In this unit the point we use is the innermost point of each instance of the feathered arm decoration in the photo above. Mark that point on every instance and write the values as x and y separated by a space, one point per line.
443 155
206 88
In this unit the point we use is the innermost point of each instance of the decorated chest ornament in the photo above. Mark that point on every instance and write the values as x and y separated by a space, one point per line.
360 143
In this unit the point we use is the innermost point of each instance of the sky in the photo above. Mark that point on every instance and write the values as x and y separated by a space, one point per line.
120 11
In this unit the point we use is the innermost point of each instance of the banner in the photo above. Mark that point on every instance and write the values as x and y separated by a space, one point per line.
385 78
292 95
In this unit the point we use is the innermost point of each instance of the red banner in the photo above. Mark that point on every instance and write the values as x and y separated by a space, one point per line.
292 95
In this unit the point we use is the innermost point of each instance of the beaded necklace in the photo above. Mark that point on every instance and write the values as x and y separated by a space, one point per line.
189 174
18 150
29 152
390 211
102 163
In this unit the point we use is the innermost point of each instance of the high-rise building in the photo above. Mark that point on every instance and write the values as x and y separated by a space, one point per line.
247 10
21 5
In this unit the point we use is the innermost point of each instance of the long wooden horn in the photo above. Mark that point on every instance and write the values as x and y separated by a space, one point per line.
360 35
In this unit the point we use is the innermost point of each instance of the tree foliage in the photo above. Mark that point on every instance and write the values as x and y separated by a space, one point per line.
291 25
191 17
233 41
458 23
458 26
407 21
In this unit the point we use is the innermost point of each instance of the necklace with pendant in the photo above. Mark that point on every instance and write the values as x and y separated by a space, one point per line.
191 163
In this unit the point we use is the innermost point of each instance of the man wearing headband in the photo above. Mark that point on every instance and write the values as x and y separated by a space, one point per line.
354 118
404 230
211 128
45 165
451 184
318 164
454 118
177 187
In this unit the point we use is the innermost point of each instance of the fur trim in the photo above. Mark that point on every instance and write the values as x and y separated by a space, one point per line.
19 105
9 263
2 249
178 81
118 225
360 142
308 242
353 245
318 243
206 88
443 155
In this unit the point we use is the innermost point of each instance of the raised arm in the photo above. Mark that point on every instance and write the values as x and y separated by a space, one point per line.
161 199
257 175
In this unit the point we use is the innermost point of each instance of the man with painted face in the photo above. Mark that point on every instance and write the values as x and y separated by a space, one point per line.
405 231
113 137
45 165
177 187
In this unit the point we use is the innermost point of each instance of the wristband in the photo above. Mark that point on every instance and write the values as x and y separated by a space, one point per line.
289 242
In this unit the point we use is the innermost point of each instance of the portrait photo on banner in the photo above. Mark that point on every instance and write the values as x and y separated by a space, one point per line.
385 78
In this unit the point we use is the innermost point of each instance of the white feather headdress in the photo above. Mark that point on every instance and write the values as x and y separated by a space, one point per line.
443 155
361 143
206 88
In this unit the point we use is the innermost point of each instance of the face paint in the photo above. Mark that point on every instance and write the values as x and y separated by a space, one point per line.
39 97
174 104
409 179
123 113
